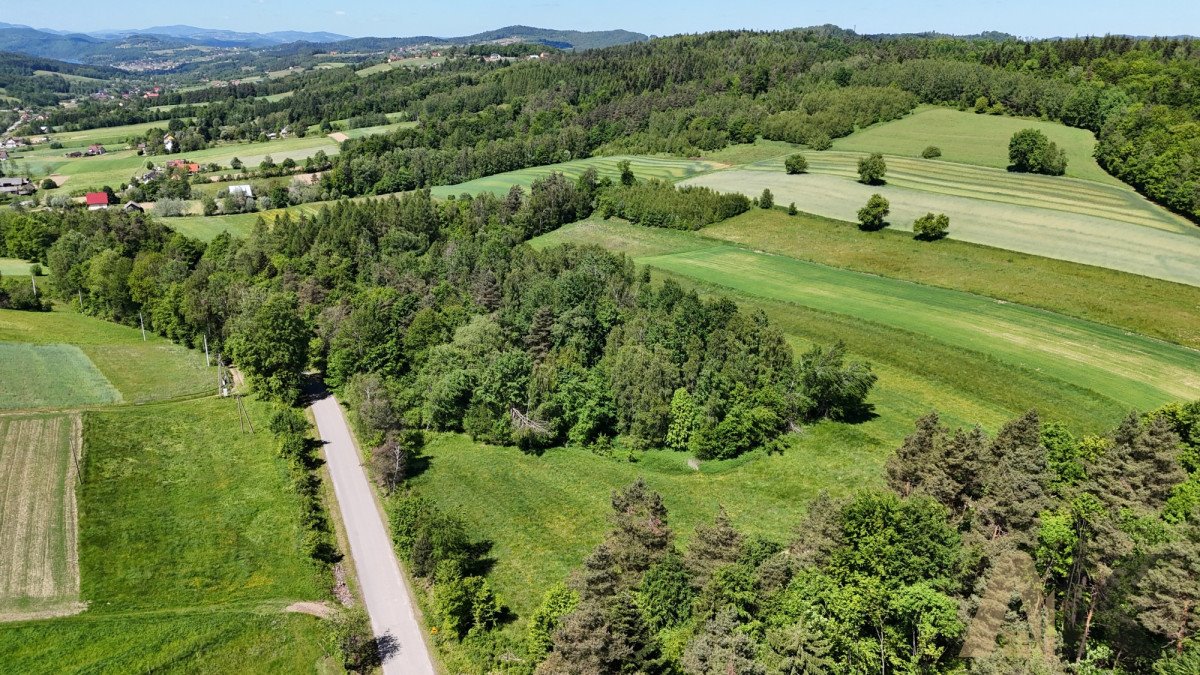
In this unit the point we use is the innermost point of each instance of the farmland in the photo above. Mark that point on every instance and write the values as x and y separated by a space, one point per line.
644 167
191 575
39 561
970 138
83 360
1151 247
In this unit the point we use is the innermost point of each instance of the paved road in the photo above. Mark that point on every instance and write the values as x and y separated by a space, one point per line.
383 586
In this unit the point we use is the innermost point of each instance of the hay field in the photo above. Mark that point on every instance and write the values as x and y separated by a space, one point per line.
670 169
39 556
50 376
1074 236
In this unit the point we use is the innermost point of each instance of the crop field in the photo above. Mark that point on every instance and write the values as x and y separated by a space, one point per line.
644 167
1077 237
39 560
1153 307
62 358
969 138
190 545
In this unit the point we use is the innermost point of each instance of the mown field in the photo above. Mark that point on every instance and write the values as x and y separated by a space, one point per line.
62 359
190 546
12 267
644 167
1143 305
415 62
39 561
969 138
1076 236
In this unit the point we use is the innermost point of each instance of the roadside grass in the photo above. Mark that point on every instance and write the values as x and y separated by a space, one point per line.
179 508
215 642
970 138
1077 237
1090 366
39 561
50 376
1149 306
140 371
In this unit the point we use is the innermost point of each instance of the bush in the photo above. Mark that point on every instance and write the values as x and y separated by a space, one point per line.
166 208
795 164
871 217
872 169
792 210
767 200
49 184
931 152
1029 151
930 227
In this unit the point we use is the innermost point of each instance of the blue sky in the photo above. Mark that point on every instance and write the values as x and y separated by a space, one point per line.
1032 18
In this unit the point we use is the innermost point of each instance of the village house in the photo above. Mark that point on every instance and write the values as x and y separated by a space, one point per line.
16 185
133 207
169 143
243 190
96 200
95 149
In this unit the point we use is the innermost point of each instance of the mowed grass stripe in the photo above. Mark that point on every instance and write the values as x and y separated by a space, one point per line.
1075 237
1049 192
670 169
50 376
1133 370
38 555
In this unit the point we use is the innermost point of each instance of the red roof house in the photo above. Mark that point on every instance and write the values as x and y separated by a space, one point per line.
97 200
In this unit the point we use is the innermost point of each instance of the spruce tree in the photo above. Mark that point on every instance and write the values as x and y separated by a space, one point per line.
712 547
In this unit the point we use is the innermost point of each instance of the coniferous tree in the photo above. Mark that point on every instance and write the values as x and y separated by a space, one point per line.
712 546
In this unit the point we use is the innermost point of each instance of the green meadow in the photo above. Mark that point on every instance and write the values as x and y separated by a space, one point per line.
64 359
970 138
644 167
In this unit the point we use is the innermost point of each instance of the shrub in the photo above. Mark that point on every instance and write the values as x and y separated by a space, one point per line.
871 217
931 152
792 210
795 164
169 207
767 200
930 227
1029 151
49 184
872 169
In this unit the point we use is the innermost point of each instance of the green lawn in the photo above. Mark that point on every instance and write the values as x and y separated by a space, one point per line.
50 376
78 347
13 267
969 138
1123 238
190 546
1149 306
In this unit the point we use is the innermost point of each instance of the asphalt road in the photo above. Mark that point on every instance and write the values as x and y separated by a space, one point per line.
384 588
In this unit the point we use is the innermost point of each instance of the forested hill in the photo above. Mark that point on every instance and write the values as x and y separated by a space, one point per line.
38 81
560 39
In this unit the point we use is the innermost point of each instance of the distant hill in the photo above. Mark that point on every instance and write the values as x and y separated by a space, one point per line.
561 39
210 37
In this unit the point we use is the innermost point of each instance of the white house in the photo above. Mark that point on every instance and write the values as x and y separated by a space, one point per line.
243 190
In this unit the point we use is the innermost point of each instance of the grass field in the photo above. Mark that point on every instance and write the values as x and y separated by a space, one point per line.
1078 237
1149 306
190 545
969 138
51 351
415 62
39 561
644 167
13 267
50 376
237 224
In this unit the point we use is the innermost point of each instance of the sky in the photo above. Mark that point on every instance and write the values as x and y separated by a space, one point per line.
398 18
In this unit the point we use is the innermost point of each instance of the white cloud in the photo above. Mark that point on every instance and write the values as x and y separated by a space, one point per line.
340 12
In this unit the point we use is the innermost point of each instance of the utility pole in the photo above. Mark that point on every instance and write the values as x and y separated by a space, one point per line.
207 362
80 292
33 280
142 322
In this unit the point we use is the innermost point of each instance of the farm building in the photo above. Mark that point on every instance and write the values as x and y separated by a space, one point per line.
16 185
96 200
243 190
95 149
133 207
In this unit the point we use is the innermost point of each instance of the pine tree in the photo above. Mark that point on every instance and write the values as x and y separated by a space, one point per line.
666 593
722 649
1167 598
1017 481
540 339
712 547
640 535
802 650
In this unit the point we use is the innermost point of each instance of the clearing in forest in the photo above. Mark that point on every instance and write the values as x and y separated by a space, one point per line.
39 556
669 169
